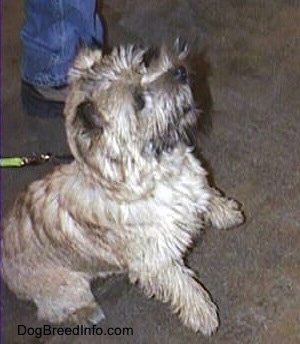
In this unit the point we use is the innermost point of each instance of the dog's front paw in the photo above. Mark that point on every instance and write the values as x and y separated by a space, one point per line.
201 316
233 216
224 213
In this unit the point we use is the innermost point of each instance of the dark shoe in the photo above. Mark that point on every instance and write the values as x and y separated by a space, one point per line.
43 101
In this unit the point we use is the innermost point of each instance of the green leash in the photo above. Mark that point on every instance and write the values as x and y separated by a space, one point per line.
11 162
34 160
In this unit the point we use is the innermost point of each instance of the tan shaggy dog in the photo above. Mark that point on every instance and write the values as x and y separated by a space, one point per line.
131 201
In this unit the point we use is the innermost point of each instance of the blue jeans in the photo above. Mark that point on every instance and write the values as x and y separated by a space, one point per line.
51 34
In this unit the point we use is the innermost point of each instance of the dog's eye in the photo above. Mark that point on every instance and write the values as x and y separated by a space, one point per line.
90 116
140 101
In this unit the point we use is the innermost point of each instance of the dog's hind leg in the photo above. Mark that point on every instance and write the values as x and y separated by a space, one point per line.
65 296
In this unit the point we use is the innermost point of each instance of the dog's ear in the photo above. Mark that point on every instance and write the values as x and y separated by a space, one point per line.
181 48
149 55
84 62
89 115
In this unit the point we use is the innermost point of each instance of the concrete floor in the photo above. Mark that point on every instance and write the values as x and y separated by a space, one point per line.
251 65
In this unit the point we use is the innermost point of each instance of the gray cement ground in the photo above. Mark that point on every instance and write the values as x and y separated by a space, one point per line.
252 64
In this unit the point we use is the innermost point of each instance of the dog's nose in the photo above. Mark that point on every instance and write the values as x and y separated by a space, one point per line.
180 74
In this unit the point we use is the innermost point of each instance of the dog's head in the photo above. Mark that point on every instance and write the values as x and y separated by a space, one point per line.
128 106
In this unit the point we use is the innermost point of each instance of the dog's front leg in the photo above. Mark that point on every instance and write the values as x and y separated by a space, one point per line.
175 283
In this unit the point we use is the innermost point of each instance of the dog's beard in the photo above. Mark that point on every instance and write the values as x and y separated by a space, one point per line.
177 131
174 115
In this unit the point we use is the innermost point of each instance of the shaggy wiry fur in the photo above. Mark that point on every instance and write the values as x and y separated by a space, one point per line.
130 202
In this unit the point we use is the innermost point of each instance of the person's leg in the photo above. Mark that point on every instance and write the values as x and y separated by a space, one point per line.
51 34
